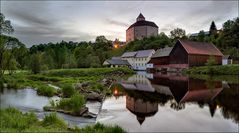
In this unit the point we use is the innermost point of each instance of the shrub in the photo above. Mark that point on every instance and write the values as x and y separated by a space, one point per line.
53 120
74 103
98 87
12 118
67 90
46 91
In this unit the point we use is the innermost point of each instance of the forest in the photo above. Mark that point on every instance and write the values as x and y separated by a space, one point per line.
14 55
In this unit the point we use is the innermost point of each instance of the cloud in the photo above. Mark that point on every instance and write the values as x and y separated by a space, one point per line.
117 23
44 21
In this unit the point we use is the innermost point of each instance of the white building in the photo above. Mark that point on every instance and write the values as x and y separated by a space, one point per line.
138 59
226 59
140 29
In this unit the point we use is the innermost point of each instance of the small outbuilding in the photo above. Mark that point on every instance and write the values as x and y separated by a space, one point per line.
116 62
226 59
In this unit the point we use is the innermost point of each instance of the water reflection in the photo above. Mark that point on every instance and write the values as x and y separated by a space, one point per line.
144 92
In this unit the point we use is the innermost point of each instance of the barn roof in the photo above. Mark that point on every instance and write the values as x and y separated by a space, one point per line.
144 53
162 52
202 48
143 23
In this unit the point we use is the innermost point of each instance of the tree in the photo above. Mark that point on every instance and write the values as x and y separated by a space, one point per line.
5 43
102 43
5 25
213 29
177 33
201 36
36 62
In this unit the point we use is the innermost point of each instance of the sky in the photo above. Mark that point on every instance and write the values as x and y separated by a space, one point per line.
38 22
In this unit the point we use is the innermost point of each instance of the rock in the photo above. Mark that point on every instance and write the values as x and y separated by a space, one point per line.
78 86
82 111
93 96
89 115
85 84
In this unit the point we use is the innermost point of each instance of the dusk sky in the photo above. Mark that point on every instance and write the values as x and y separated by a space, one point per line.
52 21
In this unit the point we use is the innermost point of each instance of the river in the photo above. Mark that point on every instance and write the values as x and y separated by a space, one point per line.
150 103
172 103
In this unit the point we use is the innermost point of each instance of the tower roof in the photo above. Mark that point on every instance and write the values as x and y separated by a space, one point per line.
140 17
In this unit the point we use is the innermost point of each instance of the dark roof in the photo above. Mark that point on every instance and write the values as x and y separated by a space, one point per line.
144 53
141 16
129 54
143 23
138 54
117 61
202 48
162 52
227 57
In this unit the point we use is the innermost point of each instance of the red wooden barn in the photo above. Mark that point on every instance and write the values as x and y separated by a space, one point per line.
189 53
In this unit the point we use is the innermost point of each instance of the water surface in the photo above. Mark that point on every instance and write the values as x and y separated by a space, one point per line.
172 102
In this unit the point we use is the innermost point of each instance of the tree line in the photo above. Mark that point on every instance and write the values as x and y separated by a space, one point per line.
14 54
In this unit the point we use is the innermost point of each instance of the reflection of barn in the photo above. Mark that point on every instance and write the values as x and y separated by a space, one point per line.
144 95
186 89
141 108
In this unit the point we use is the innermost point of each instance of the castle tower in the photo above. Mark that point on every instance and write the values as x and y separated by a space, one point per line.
141 29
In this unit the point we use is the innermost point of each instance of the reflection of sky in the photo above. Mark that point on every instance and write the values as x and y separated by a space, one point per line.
43 21
192 118
26 99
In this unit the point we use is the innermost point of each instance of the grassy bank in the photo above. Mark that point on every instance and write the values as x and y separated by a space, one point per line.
215 70
12 120
60 77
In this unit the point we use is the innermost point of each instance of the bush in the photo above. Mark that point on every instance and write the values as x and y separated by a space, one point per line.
52 119
98 87
12 118
67 90
74 103
46 91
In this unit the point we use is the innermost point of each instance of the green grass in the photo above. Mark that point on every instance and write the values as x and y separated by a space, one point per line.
72 104
52 119
67 90
85 72
46 90
100 128
60 77
215 70
12 120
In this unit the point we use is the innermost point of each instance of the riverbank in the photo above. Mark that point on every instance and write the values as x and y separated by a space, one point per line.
215 70
12 120
74 86
61 77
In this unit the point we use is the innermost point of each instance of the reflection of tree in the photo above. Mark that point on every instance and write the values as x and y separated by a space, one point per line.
228 101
